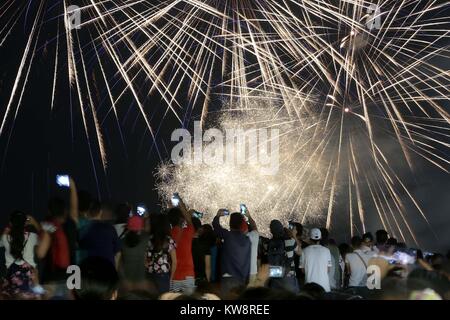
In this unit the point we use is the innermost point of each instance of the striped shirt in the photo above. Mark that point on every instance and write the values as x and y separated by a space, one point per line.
290 245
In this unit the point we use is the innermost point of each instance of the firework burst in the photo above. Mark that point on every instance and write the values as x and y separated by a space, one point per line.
367 71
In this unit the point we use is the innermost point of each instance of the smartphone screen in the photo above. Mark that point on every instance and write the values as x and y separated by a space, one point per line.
63 181
243 209
141 210
276 272
198 215
175 200
226 212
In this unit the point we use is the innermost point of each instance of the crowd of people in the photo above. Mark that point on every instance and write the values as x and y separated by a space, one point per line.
174 255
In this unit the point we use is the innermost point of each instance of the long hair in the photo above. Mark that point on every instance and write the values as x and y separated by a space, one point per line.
17 221
160 230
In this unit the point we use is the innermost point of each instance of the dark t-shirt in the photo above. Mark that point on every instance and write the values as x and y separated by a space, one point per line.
101 240
199 251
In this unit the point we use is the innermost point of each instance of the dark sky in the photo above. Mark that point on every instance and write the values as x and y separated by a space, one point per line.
39 144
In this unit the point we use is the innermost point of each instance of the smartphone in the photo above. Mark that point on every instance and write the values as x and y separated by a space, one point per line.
404 258
275 271
198 215
243 209
226 212
141 210
291 225
63 180
175 199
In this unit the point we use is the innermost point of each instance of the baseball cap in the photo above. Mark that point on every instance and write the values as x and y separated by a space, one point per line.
315 234
135 223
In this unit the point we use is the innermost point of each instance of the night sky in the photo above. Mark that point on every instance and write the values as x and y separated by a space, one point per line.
40 144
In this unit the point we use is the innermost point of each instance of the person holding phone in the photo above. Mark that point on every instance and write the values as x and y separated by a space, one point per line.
236 252
22 246
183 280
280 254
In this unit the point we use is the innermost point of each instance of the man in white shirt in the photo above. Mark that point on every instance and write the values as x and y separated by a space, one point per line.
357 262
315 261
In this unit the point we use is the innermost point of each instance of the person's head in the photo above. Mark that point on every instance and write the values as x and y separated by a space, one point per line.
122 213
108 211
236 221
381 236
392 242
420 279
160 230
197 224
99 280
367 239
135 226
356 242
315 235
208 235
298 228
95 210
56 209
277 229
17 223
84 201
314 290
344 248
176 217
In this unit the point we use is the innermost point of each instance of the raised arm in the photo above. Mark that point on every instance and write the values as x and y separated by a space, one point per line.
218 230
73 210
251 222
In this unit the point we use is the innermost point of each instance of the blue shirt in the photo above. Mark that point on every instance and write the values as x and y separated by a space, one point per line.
100 240
236 252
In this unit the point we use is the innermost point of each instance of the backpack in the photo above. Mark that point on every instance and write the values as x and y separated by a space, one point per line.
276 253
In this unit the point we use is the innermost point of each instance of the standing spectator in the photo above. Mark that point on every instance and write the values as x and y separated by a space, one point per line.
381 239
315 261
161 261
80 202
201 254
122 213
253 235
280 253
210 240
134 249
236 252
100 239
21 245
368 244
297 229
356 263
57 258
335 271
182 233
